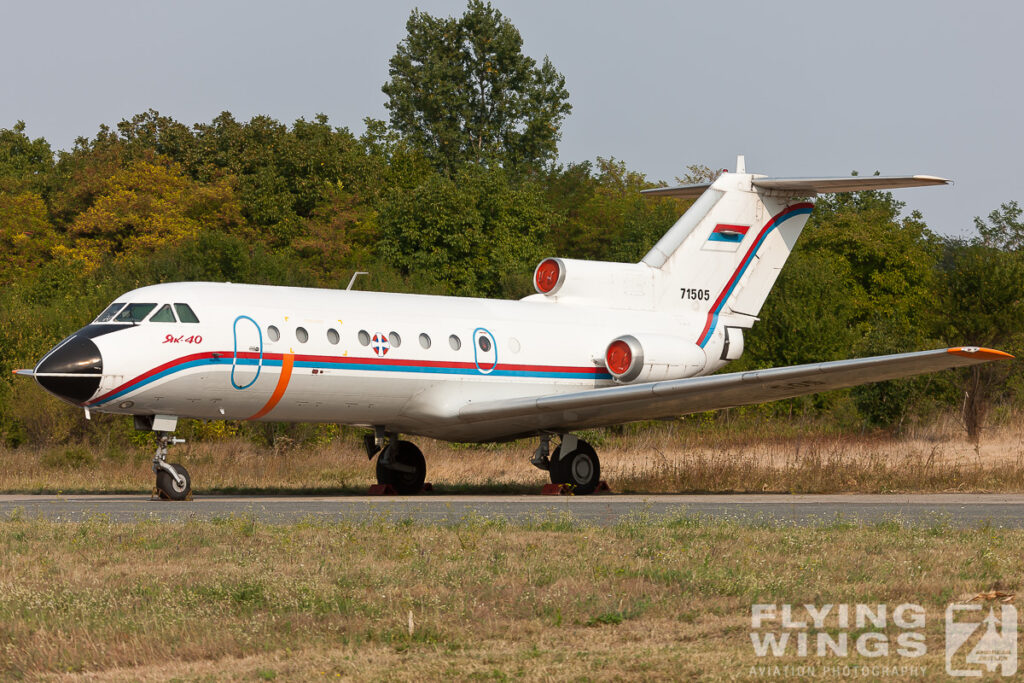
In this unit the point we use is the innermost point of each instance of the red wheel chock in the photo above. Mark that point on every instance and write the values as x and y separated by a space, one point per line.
389 490
566 489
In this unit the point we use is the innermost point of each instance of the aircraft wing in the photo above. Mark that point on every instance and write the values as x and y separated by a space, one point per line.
672 398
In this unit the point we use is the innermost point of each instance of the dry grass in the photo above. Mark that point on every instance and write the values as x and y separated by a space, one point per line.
680 457
662 599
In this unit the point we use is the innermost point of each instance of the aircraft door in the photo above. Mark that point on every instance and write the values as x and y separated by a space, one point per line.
485 350
248 357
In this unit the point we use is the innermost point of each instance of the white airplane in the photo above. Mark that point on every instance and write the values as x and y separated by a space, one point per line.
598 344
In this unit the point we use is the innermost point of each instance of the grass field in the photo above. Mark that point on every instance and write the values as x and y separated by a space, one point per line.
680 457
655 599
554 599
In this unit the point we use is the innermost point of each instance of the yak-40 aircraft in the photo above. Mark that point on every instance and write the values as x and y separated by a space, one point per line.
598 344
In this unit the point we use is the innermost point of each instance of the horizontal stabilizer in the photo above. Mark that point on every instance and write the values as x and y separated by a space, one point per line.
802 186
809 186
680 191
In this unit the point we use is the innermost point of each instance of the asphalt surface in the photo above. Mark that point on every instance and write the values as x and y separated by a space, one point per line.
960 510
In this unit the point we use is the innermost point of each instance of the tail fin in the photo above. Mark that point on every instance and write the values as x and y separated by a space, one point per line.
723 255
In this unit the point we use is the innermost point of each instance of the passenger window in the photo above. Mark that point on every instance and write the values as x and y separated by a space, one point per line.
333 336
484 342
364 337
425 340
108 315
134 313
395 340
164 315
301 334
273 333
454 342
185 313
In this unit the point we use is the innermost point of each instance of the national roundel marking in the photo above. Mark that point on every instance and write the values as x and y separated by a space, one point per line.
380 344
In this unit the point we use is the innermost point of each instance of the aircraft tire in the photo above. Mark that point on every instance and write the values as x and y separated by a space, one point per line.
581 469
405 483
170 488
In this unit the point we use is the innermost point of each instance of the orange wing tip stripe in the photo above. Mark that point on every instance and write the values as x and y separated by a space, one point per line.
282 384
979 352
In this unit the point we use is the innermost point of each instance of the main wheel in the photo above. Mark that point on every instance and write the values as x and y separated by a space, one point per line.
170 487
404 482
581 468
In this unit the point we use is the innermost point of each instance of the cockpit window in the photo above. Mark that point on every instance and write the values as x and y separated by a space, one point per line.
108 315
185 313
166 315
134 313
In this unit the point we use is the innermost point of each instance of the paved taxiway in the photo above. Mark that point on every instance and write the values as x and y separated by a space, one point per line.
963 510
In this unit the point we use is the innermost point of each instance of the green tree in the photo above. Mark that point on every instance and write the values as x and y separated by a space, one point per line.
892 259
477 234
25 164
983 305
462 90
146 206
1004 228
601 213
26 235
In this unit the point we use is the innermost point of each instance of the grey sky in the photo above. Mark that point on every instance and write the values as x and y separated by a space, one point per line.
800 88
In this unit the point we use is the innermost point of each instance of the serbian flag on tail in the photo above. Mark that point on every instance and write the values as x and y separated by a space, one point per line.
726 237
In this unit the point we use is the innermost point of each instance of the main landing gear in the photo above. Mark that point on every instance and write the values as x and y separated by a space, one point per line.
400 463
573 462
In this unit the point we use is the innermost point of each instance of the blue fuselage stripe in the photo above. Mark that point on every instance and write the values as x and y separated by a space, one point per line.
226 363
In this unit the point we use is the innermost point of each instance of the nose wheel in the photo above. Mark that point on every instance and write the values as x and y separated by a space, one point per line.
178 487
172 480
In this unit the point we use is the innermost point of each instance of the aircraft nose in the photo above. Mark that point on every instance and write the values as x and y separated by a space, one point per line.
72 370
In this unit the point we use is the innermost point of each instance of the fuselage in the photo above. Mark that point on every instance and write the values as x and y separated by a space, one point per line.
402 361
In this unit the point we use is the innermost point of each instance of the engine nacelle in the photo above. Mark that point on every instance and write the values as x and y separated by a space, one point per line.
612 285
653 357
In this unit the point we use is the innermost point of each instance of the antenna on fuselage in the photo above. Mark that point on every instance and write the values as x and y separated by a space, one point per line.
354 276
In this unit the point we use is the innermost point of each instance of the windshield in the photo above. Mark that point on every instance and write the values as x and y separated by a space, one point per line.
164 315
134 313
185 313
108 315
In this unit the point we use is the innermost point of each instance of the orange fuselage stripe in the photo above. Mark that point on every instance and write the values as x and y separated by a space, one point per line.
282 384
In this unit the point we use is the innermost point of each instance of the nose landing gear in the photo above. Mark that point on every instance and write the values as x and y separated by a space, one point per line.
172 480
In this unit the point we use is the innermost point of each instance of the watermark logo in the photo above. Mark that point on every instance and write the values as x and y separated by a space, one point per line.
837 630
980 640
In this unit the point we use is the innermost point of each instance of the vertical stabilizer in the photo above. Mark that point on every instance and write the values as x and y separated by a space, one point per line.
722 257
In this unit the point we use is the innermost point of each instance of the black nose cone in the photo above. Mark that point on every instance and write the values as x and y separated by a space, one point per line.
72 370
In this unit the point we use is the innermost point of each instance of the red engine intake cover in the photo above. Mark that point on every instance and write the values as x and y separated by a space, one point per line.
618 357
547 276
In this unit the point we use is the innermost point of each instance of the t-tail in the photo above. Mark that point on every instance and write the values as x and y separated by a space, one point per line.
720 259
723 255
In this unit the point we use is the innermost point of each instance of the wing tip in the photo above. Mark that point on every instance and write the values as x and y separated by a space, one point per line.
979 352
25 372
